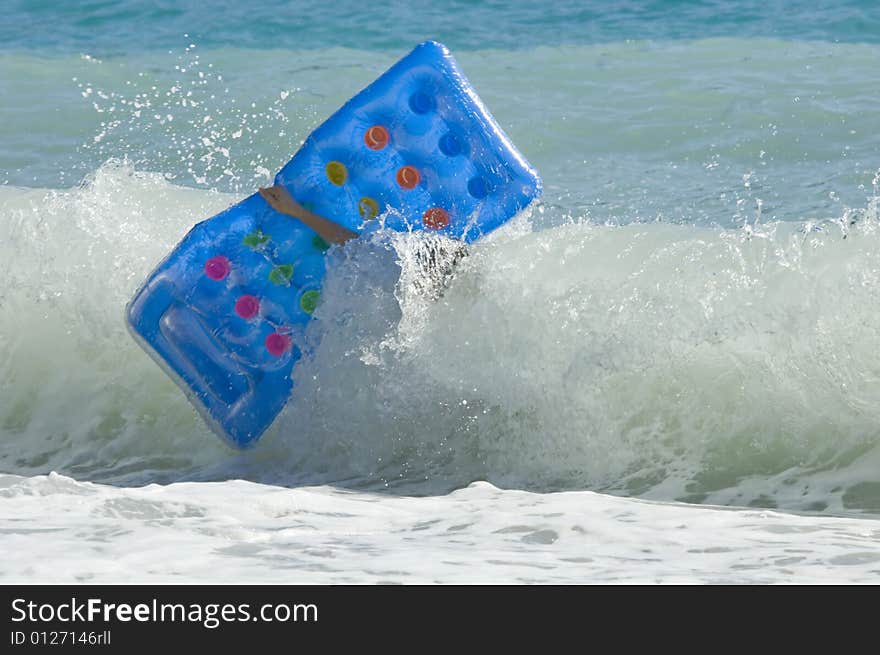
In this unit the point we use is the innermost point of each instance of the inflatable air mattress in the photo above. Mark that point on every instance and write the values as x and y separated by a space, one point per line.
225 312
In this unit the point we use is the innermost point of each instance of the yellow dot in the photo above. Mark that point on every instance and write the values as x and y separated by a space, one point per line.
337 172
368 208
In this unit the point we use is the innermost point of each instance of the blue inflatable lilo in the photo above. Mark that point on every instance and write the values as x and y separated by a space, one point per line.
225 311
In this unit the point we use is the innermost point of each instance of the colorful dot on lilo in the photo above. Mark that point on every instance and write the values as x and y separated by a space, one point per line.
408 177
309 301
421 103
368 208
277 344
478 187
449 145
217 268
247 306
337 173
435 218
376 137
281 274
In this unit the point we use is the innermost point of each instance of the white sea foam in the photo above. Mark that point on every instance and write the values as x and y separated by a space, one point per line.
60 530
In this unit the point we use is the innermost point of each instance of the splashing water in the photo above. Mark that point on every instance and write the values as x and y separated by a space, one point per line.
670 362
190 122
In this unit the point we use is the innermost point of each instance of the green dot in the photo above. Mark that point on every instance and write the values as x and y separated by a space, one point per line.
309 301
281 274
256 239
320 244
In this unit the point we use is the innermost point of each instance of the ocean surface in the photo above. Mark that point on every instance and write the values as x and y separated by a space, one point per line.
666 371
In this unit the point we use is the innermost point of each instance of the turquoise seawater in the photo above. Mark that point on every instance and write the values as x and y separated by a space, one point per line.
120 27
690 314
683 111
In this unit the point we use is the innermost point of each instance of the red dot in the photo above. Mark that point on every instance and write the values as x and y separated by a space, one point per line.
247 306
376 137
435 218
277 344
408 177
217 268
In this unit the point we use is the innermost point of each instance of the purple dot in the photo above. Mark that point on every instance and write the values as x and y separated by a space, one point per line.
449 145
247 306
420 102
277 344
478 187
217 268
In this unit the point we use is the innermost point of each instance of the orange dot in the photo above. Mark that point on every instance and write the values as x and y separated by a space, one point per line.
408 177
436 218
376 138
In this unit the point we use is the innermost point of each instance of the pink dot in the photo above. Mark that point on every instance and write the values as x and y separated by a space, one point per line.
247 306
217 267
277 344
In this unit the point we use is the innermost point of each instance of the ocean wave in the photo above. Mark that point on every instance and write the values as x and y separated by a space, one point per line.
673 362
